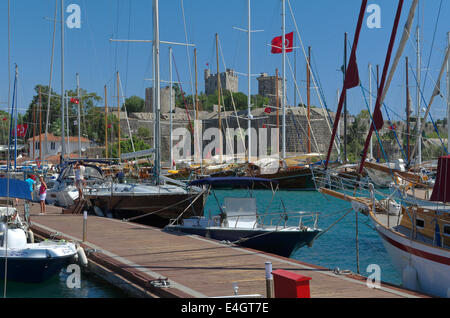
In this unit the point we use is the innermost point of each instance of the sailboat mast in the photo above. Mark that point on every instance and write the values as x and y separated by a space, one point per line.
308 74
419 136
196 91
171 108
284 78
218 94
106 124
408 112
249 134
278 112
34 129
79 116
40 125
448 93
157 90
118 112
63 145
370 107
345 99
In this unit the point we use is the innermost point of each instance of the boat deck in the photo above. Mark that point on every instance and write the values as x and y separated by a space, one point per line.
194 266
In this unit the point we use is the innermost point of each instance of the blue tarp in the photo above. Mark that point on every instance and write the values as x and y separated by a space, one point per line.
17 189
229 180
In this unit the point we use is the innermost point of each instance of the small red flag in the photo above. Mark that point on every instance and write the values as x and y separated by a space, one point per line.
268 110
264 126
109 125
21 130
277 43
74 100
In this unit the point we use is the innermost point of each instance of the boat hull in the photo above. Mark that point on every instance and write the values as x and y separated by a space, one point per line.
32 270
432 264
292 179
161 207
280 242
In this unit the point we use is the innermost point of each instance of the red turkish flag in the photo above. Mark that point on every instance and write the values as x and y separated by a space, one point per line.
74 100
21 130
268 110
277 43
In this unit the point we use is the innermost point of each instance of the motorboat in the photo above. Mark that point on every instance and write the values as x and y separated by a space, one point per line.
21 258
238 221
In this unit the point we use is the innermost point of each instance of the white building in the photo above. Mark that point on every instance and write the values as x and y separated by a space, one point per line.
54 145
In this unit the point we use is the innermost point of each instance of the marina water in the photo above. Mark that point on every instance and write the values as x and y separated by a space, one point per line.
336 247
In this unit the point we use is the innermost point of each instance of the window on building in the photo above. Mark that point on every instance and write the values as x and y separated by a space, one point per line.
52 145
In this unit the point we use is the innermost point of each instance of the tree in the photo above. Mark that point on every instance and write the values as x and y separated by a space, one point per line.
126 147
134 104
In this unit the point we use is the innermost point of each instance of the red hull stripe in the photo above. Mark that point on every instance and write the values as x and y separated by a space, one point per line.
432 257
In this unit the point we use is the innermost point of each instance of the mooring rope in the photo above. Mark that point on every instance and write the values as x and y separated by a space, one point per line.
165 208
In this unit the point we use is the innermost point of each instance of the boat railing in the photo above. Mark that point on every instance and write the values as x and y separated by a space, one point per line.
274 219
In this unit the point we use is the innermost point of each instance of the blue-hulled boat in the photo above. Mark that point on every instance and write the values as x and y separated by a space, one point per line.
239 221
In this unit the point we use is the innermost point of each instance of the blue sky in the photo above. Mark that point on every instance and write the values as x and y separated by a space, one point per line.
322 24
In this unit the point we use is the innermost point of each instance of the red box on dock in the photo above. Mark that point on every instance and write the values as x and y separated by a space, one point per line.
290 285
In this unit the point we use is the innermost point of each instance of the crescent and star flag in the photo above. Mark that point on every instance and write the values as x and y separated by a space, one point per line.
74 100
277 43
268 110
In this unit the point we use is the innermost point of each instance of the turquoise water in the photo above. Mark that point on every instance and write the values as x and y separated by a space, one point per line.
56 287
335 248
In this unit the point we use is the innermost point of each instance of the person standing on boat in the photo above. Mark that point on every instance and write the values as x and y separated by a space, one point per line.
42 193
79 169
31 183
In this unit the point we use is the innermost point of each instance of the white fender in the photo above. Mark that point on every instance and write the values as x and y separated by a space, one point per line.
82 256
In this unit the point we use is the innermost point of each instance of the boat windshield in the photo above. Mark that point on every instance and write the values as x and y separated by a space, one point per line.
89 172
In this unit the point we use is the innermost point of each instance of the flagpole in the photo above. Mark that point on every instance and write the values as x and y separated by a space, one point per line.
249 147
284 81
63 145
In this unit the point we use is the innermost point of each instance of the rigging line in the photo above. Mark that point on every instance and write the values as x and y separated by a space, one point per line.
232 103
423 98
307 120
390 123
128 49
437 131
126 115
378 136
182 93
50 82
187 52
312 74
432 44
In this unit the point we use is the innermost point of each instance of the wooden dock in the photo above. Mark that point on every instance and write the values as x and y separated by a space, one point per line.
141 257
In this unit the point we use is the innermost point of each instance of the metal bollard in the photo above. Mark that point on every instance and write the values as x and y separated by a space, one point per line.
84 225
269 280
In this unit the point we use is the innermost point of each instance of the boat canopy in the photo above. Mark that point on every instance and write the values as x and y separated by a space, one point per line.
441 190
229 180
17 189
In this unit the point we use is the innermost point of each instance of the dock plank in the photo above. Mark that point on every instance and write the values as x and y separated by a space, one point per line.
196 266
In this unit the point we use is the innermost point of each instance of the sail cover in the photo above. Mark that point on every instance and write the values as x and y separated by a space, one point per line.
441 190
17 189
